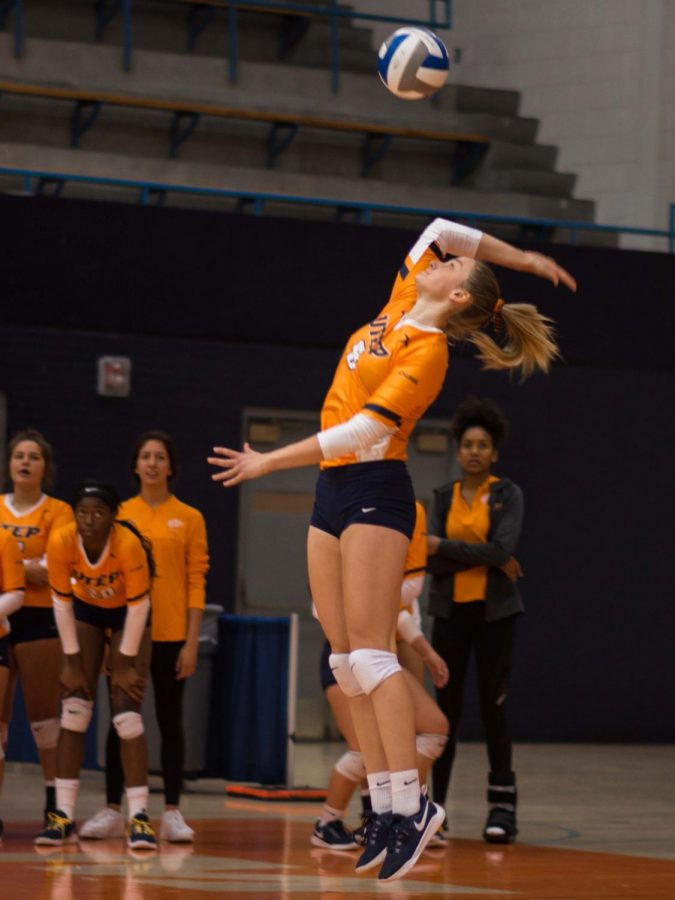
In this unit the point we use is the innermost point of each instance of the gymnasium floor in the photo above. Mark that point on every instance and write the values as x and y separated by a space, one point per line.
596 822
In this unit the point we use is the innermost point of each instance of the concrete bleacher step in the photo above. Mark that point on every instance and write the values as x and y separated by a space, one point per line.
259 86
528 181
240 178
161 25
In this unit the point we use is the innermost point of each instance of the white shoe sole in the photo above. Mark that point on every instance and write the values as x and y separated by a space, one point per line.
55 842
317 842
373 862
434 824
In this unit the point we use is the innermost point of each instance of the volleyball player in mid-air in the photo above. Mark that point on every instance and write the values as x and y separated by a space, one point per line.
389 373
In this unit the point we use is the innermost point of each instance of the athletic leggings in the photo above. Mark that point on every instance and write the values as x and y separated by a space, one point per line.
169 710
453 639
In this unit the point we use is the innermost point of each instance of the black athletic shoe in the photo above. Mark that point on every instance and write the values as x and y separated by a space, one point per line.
333 836
140 833
408 837
376 830
500 827
59 830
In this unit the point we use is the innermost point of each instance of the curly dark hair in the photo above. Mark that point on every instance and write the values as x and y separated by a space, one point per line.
481 412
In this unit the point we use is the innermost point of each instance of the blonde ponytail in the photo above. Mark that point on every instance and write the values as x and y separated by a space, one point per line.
530 341
530 337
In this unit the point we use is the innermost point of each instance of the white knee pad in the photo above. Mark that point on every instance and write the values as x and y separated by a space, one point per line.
431 745
372 667
339 666
128 725
351 765
76 714
46 733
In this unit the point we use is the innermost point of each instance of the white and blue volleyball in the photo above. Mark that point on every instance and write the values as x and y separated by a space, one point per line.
413 63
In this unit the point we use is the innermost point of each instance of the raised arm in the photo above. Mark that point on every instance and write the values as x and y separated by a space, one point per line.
492 250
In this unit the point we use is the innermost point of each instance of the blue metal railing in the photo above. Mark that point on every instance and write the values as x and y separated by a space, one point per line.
439 16
33 180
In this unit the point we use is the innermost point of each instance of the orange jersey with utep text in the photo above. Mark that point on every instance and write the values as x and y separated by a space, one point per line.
31 530
12 576
177 533
391 369
416 560
120 575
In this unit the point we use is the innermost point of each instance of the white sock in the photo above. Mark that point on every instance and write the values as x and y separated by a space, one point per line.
66 795
330 814
405 792
137 800
379 784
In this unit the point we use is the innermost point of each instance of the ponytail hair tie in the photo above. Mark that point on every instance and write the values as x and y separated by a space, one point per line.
495 317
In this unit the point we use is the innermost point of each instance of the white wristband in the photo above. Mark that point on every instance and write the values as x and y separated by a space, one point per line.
65 623
134 626
451 237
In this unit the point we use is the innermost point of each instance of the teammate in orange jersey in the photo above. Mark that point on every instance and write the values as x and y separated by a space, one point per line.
178 536
12 584
364 513
30 516
99 573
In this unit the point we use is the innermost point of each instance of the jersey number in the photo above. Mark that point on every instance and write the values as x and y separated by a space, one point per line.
354 353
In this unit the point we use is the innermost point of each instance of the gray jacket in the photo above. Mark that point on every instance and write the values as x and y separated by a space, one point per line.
502 597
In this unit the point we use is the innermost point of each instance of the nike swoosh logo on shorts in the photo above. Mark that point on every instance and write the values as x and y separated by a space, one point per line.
367 509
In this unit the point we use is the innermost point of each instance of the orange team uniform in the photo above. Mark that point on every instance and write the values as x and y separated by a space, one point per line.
31 530
12 576
120 576
391 370
416 560
471 524
178 536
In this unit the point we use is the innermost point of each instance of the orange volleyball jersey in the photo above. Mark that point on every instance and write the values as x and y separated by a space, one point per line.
31 530
120 575
416 560
471 524
177 533
12 576
391 369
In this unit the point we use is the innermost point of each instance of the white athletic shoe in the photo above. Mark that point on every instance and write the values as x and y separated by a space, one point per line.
174 828
107 823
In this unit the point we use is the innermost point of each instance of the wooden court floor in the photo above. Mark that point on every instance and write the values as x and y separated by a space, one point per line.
595 823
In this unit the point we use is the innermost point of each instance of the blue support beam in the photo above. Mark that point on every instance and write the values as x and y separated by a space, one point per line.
182 126
197 20
280 137
374 148
84 116
259 199
15 7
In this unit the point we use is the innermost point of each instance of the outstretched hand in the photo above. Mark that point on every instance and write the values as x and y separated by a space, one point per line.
545 267
237 465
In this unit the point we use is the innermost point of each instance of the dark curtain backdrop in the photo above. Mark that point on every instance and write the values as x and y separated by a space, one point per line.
221 312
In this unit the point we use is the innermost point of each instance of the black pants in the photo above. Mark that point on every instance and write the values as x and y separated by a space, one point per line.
453 639
169 710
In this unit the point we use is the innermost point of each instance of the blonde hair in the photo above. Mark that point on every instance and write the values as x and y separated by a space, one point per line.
530 336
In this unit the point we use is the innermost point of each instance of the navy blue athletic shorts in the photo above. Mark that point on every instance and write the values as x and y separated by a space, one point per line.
325 671
370 493
4 652
105 619
32 623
